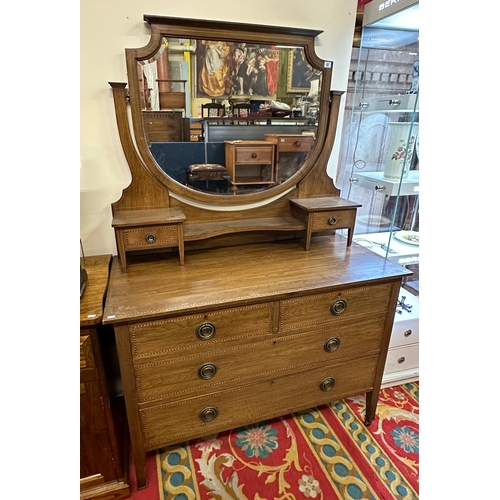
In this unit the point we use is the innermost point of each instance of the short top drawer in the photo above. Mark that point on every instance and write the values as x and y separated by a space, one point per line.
184 334
254 154
333 219
312 310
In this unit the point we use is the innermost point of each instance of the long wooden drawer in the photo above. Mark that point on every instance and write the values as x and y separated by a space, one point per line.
237 365
179 421
313 310
181 335
150 237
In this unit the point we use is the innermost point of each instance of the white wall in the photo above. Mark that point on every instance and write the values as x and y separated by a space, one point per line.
107 28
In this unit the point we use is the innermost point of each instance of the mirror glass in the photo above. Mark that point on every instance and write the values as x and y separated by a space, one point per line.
211 109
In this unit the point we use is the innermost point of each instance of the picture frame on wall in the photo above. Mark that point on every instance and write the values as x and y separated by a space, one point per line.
300 73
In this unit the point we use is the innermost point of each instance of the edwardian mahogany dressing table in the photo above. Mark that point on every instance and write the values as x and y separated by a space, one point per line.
252 326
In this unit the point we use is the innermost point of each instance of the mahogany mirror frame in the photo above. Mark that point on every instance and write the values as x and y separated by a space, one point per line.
173 27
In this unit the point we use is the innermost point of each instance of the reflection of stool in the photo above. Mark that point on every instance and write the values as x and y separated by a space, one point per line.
207 172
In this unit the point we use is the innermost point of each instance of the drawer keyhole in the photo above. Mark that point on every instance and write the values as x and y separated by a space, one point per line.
332 344
150 238
207 371
209 413
205 331
327 384
338 307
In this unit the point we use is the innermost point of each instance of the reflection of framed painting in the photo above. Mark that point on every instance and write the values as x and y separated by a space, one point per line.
299 72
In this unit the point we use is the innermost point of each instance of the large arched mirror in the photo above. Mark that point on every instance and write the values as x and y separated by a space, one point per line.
226 112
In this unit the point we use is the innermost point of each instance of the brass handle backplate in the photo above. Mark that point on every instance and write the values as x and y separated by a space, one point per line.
332 221
205 331
327 384
209 413
338 307
332 344
207 371
150 238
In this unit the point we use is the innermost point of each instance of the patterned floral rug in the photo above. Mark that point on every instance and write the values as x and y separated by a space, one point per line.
325 453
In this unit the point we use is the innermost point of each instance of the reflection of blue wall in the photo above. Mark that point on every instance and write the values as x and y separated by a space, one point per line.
174 158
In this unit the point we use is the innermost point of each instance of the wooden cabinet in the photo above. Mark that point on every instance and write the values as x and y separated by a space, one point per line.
148 229
163 126
246 333
250 162
103 465
324 214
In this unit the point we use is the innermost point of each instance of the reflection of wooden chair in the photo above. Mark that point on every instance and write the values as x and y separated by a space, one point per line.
213 109
170 99
241 108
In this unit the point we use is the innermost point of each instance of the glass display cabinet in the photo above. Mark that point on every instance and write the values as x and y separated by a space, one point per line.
379 159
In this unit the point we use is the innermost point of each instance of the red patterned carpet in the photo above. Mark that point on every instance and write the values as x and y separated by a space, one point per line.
324 453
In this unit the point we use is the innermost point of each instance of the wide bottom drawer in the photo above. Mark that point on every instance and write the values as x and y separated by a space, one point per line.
197 417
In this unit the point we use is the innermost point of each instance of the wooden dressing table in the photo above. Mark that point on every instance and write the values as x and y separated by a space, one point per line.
252 326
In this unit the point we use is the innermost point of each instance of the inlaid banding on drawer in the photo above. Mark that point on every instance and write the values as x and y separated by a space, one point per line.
311 310
271 357
163 235
177 421
176 336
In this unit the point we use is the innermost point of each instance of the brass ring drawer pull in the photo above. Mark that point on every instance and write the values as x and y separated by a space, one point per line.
327 384
332 344
332 221
205 331
207 371
150 238
338 307
401 360
408 333
209 413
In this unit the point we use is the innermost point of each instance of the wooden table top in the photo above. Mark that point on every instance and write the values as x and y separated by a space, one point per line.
156 286
92 300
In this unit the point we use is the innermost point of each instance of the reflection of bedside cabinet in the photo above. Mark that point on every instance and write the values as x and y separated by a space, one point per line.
250 162
322 214
290 143
148 229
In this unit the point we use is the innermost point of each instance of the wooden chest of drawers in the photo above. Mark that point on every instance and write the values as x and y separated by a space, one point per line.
247 333
163 126
250 162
